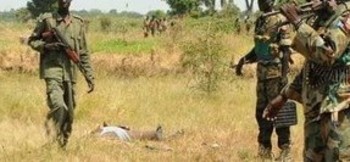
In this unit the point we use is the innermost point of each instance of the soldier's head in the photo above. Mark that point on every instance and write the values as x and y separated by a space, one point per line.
265 5
63 5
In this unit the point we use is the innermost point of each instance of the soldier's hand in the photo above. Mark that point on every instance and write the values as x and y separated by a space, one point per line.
274 107
290 11
91 84
268 114
329 5
53 46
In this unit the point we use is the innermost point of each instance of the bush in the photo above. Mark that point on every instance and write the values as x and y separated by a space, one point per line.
203 58
105 23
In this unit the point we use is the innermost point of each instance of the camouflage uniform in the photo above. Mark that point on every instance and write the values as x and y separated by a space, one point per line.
270 37
146 28
323 89
153 25
58 70
270 80
237 26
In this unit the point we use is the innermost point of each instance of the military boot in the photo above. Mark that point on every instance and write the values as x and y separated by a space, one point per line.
265 153
285 154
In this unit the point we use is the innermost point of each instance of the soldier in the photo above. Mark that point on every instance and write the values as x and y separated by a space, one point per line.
163 25
248 24
237 26
56 68
153 25
146 28
323 84
271 42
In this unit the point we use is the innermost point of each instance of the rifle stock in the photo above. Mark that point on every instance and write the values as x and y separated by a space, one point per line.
72 55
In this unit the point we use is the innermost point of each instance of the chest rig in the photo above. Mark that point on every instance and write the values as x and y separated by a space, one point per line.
266 37
339 72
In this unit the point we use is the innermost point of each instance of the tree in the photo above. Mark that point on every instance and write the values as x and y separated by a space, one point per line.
229 10
223 3
23 14
113 12
37 7
210 4
157 13
249 5
180 7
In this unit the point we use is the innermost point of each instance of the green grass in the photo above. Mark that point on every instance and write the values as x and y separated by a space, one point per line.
3 44
123 46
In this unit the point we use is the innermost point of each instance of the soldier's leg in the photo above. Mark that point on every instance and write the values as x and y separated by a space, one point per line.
314 145
265 126
67 126
337 137
153 31
344 150
58 108
273 89
283 137
284 144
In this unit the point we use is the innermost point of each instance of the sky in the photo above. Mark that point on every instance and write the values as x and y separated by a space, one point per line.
141 6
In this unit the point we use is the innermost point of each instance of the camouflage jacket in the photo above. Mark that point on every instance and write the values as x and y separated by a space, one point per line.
54 63
323 84
270 34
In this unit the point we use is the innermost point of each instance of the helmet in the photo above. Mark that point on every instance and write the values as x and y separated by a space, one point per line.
265 5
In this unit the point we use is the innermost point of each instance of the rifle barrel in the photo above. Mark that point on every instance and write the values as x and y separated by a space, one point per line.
302 7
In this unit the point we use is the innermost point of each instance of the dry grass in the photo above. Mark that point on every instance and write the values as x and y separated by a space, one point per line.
220 127
216 128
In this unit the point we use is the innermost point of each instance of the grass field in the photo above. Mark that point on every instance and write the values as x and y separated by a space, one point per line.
139 84
220 127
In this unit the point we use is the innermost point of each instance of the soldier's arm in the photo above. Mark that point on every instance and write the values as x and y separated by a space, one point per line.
293 90
84 52
251 57
321 49
285 41
35 40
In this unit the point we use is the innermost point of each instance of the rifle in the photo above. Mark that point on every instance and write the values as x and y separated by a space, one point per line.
71 54
303 8
286 59
308 8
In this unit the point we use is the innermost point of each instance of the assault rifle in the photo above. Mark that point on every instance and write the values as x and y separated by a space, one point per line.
71 54
308 8
303 8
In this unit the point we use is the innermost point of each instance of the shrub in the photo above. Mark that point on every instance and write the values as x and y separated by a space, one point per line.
203 58
105 23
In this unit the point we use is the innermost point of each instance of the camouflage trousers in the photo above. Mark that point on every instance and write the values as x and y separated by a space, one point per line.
266 91
60 114
326 141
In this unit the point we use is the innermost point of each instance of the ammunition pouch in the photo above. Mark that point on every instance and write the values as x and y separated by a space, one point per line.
287 116
319 75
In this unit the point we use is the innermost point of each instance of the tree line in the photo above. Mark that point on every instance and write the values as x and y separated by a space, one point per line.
194 8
